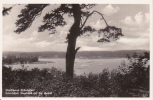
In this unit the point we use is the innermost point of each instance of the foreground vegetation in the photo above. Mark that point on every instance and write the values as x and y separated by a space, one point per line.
129 80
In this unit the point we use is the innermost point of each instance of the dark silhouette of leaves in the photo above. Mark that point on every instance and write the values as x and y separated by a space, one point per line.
87 29
55 18
110 32
6 10
27 16
104 40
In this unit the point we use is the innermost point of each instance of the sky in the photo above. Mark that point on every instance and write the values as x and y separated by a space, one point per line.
133 19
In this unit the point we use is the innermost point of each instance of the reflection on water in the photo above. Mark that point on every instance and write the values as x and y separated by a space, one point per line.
81 65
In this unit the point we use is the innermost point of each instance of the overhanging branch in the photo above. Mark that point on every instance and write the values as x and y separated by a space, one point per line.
90 15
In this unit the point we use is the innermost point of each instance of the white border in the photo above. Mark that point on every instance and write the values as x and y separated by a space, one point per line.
151 50
87 2
1 53
79 1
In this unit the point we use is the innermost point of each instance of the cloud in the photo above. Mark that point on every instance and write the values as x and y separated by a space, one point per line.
99 24
140 19
42 44
34 34
124 43
135 37
128 20
88 48
11 43
109 10
135 43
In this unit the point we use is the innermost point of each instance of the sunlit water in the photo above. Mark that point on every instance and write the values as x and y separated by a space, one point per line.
81 66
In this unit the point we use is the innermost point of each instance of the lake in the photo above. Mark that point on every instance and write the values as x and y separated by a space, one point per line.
81 66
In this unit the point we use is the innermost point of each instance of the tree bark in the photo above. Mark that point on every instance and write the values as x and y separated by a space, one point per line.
72 37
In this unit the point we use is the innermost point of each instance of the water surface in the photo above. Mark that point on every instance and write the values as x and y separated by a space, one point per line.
81 66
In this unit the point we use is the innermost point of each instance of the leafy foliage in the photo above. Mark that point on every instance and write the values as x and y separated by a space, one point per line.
55 18
135 74
27 16
87 29
6 10
110 33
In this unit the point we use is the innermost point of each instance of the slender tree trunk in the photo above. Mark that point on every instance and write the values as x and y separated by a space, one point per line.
72 37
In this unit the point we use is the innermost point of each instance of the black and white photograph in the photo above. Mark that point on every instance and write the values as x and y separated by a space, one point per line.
76 50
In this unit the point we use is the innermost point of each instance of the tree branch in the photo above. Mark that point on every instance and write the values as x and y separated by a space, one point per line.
76 50
90 15
6 10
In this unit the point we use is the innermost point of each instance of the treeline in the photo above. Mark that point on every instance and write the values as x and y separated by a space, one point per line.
80 54
11 59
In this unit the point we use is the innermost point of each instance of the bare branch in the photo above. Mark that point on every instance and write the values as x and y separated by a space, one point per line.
90 15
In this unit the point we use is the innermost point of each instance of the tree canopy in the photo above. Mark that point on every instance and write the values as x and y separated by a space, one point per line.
54 18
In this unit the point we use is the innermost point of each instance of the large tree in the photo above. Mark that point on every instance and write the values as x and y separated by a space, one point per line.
54 18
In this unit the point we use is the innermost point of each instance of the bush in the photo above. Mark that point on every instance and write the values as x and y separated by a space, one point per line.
135 74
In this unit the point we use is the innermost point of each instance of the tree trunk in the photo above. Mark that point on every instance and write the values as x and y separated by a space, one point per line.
70 57
72 37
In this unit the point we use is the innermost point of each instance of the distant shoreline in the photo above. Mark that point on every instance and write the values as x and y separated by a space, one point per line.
47 62
39 62
79 55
